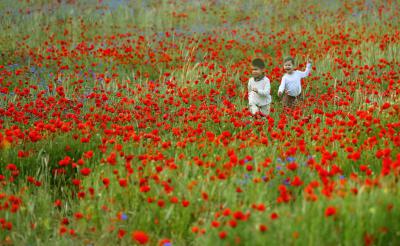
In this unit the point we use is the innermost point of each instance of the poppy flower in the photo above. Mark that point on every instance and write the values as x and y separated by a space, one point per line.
274 216
330 211
85 171
121 233
263 228
140 237
222 234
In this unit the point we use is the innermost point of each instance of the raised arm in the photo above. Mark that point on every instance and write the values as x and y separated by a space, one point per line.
308 68
307 72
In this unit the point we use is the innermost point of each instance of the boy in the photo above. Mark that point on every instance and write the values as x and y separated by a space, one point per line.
259 89
291 82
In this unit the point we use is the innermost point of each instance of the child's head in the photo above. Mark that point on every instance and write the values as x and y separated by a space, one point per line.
288 64
257 67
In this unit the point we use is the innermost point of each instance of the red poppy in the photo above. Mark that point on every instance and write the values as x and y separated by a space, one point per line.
296 181
185 203
85 171
274 216
263 228
106 182
222 234
121 233
140 237
123 182
330 211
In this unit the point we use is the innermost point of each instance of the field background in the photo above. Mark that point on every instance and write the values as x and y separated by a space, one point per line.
126 122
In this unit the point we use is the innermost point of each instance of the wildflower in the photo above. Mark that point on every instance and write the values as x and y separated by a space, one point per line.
249 168
174 199
58 203
76 182
63 230
65 162
88 154
145 188
286 181
140 237
204 195
123 216
274 216
368 239
215 223
185 203
239 215
165 242
330 211
123 182
263 228
195 229
85 171
232 223
292 166
296 181
106 182
161 203
226 212
290 159
222 234
121 233
386 105
78 215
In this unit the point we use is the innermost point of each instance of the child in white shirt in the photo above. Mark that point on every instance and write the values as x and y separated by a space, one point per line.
259 89
291 82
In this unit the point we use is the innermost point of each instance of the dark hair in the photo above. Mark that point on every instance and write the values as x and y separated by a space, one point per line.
258 63
289 58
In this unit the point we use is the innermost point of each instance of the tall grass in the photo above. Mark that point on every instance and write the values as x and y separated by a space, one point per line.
174 116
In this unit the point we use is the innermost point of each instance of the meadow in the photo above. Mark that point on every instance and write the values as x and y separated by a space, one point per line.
126 123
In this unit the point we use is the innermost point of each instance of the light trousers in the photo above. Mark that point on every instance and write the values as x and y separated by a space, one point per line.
263 109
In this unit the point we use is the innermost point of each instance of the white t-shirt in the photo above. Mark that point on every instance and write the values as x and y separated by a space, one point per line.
292 82
263 96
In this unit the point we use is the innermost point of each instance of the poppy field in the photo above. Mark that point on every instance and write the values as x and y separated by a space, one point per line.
127 123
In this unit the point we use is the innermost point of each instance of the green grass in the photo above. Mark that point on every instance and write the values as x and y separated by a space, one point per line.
154 99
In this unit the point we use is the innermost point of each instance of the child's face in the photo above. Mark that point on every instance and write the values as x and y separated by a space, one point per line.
288 66
256 71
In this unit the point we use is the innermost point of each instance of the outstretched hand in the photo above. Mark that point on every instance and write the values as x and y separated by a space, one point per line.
309 60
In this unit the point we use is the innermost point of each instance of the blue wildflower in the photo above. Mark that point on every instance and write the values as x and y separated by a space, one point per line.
290 159
246 176
124 216
286 182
